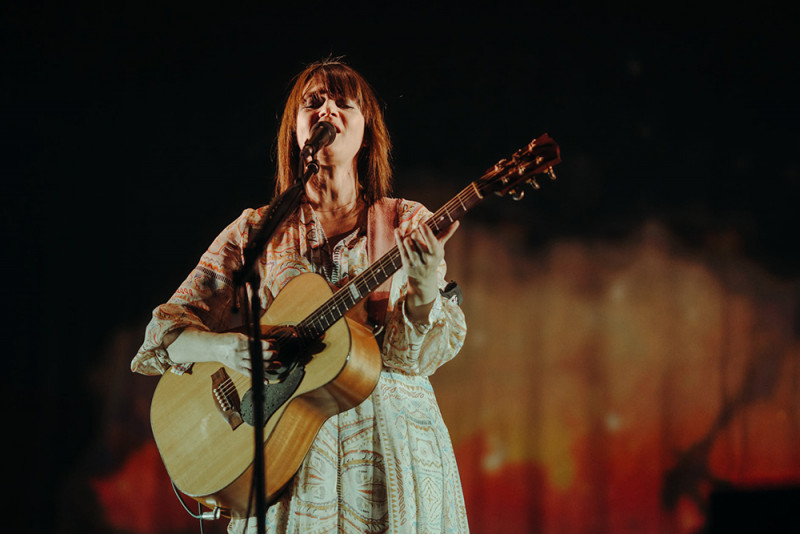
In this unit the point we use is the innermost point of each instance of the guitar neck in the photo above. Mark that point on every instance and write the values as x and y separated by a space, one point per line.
505 177
369 280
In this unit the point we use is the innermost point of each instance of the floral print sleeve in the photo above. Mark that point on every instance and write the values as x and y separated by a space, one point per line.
204 300
421 348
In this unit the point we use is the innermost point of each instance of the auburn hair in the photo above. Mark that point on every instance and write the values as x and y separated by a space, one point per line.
373 160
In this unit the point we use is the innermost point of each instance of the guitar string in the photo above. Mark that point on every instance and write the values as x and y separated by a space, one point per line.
314 325
361 281
324 316
232 385
344 295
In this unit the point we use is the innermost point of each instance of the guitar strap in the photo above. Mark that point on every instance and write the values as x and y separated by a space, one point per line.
382 219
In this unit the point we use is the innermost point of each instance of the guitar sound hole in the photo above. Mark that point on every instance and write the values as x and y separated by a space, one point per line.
290 352
275 395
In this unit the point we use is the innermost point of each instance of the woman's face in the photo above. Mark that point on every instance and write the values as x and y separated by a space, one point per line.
317 105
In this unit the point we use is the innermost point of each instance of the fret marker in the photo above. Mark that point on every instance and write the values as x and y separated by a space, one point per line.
354 292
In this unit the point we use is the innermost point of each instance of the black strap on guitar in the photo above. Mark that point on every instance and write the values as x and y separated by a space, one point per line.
382 219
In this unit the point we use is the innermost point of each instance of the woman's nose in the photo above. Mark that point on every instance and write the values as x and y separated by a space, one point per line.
328 109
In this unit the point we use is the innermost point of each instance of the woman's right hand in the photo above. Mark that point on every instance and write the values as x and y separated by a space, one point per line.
231 349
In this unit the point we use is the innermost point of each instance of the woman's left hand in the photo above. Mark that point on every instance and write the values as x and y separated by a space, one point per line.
422 253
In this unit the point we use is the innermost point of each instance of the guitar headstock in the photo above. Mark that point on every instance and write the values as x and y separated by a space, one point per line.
508 176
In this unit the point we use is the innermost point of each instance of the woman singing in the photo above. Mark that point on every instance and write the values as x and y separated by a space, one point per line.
386 465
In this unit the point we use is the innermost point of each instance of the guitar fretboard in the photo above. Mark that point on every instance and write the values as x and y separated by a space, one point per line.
368 281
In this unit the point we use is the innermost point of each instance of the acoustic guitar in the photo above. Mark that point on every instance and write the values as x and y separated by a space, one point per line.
203 421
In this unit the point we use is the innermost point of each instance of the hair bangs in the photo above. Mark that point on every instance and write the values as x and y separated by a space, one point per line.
339 82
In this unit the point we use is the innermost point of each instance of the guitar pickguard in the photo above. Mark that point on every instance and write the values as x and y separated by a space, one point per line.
275 395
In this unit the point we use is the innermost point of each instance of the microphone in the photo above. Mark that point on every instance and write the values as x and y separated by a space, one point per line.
322 134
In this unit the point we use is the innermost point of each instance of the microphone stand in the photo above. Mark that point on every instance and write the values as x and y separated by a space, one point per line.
278 210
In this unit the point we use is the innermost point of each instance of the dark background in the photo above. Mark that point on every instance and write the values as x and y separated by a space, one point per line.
132 134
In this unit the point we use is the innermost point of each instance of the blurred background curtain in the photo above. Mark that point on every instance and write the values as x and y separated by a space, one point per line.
605 387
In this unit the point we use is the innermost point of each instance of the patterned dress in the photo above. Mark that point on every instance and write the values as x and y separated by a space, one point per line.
386 465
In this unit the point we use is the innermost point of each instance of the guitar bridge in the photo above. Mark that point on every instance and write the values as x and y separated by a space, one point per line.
226 398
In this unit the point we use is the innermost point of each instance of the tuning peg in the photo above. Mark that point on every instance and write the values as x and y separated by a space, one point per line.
499 166
550 173
517 194
533 183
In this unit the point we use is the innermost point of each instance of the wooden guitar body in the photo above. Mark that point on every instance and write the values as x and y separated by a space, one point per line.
209 456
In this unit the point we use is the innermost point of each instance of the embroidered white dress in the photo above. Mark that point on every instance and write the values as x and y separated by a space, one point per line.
386 465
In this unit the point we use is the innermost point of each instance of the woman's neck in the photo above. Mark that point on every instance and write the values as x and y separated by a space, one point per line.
334 197
333 190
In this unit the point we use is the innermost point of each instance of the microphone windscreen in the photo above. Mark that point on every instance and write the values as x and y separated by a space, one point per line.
324 132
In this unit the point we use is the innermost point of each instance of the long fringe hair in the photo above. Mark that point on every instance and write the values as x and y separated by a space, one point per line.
340 81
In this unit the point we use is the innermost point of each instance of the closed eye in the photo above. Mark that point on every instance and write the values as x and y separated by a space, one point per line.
313 101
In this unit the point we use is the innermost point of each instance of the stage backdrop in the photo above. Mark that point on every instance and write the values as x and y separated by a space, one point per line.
605 387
